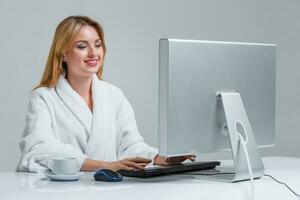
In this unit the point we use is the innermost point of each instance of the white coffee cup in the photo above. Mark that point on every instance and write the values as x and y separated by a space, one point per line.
63 166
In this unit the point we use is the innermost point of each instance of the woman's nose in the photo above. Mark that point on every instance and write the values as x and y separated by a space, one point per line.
92 52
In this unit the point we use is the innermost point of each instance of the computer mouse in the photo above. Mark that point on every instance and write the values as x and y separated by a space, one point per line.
107 175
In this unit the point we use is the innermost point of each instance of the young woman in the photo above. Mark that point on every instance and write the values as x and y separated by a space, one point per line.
74 113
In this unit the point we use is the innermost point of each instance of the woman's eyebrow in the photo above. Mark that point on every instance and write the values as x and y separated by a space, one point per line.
81 41
85 41
98 40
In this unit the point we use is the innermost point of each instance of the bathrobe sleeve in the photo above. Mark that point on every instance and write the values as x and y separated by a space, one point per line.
130 142
39 144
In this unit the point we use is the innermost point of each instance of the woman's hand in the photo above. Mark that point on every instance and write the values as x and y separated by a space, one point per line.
160 160
136 163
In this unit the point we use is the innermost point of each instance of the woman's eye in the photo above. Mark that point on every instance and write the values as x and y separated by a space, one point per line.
81 47
98 45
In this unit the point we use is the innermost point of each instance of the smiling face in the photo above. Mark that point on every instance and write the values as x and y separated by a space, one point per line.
86 54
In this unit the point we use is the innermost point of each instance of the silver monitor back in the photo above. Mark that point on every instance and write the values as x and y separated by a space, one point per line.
192 72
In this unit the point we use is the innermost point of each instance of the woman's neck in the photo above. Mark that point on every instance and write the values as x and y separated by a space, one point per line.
82 85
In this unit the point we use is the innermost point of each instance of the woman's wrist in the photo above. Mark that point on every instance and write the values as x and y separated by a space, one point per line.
93 165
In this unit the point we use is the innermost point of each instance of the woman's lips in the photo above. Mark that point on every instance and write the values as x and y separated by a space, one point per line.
92 63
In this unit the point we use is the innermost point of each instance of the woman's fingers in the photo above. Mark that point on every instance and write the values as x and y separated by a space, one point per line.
191 157
143 164
175 160
139 163
139 160
179 159
132 164
127 168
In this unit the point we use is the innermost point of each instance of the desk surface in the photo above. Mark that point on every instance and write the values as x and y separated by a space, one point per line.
15 185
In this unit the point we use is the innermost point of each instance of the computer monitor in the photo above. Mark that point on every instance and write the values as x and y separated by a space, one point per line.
206 87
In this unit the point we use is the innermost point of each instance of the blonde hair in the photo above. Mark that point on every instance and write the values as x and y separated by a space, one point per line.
65 34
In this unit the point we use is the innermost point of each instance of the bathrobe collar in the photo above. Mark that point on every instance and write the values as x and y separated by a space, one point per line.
99 124
75 102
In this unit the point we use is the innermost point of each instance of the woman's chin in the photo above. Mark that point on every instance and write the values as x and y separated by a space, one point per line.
92 70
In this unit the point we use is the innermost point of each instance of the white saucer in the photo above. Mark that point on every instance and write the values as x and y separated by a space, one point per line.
62 177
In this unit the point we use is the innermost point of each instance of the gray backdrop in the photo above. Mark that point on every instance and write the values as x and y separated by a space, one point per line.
132 30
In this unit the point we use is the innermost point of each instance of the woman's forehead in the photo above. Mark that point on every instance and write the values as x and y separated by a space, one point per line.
87 33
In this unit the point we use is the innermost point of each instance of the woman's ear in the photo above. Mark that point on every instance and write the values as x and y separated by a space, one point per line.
64 58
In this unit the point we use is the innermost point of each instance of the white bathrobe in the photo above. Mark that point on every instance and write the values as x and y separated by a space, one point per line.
60 124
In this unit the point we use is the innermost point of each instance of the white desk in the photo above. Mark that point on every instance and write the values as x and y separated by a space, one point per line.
36 186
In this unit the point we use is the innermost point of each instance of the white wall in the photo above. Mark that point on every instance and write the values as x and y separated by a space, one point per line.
133 28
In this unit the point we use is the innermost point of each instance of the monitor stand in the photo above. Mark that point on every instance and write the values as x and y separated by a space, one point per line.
235 115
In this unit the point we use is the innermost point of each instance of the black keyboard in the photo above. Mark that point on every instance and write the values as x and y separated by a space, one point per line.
172 169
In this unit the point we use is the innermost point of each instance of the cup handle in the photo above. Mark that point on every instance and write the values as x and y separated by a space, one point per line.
50 165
